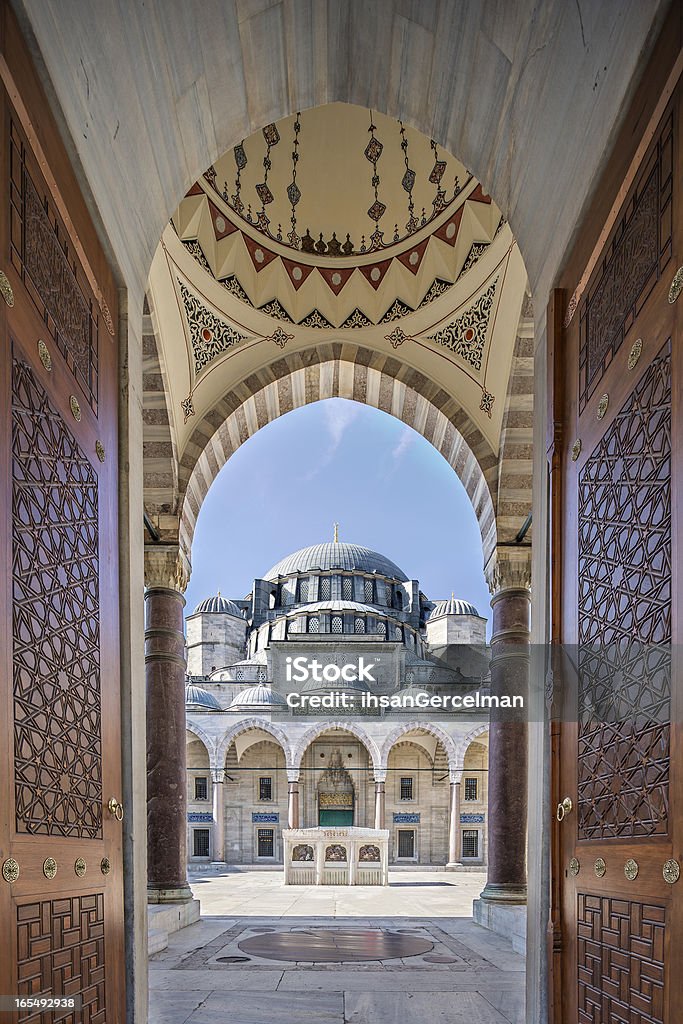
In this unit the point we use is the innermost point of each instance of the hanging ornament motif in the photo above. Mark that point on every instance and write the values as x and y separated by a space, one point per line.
408 183
486 404
373 152
293 190
438 170
241 161
272 137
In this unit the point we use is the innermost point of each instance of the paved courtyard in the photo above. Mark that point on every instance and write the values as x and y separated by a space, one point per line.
462 973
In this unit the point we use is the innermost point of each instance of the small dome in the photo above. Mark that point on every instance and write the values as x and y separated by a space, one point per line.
196 697
453 607
258 696
219 604
336 555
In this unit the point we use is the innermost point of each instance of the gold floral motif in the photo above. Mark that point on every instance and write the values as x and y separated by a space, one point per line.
676 285
10 870
99 449
80 867
574 867
75 408
576 449
631 869
106 315
600 867
49 867
602 406
671 871
634 354
44 354
105 865
6 289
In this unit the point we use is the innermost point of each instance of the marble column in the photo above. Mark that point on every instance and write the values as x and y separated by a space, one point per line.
380 799
454 821
509 577
217 780
293 801
165 582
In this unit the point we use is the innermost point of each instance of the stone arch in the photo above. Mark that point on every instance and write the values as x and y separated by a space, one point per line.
304 741
464 743
400 732
246 725
344 370
160 453
203 737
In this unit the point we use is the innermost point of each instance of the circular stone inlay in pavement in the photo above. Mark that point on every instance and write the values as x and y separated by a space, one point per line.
440 959
335 946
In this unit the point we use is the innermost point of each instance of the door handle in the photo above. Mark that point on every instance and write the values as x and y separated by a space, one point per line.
116 808
564 808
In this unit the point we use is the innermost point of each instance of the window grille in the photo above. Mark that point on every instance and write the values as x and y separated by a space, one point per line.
407 788
314 624
406 842
337 624
471 788
265 788
266 844
325 588
359 624
398 633
302 590
382 627
368 590
347 588
201 788
200 842
470 842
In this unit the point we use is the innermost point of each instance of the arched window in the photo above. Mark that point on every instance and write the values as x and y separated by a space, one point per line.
382 627
314 624
337 624
398 633
399 599
368 591
347 588
359 624
325 588
302 590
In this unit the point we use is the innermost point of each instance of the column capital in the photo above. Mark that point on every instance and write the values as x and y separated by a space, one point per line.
509 568
380 774
217 775
292 775
167 567
454 775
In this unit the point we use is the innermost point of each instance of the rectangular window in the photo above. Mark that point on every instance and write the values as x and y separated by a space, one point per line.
471 788
470 842
266 842
200 842
407 788
406 842
201 788
265 788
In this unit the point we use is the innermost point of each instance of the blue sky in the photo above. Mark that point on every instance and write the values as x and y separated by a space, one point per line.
338 460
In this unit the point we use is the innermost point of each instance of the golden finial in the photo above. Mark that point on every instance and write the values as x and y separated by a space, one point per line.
336 532
452 595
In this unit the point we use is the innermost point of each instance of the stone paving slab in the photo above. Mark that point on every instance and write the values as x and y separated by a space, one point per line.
419 1007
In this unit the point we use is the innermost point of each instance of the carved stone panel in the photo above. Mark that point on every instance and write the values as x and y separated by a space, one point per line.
620 961
56 621
637 251
60 946
624 601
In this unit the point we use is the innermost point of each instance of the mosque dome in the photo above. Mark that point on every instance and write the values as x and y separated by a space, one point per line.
336 555
257 698
454 606
219 604
199 699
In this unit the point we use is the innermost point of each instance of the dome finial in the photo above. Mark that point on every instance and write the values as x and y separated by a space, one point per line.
336 532
452 595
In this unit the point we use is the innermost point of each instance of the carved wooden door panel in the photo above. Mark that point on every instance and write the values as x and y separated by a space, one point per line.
619 847
60 847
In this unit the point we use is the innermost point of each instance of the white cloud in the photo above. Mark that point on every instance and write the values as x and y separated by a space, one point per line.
403 444
339 415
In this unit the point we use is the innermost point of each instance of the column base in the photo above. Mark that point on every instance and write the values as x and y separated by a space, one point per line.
182 894
508 920
508 893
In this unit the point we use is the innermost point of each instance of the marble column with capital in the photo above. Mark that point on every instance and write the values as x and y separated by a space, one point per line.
217 780
380 799
509 577
166 577
454 822
293 799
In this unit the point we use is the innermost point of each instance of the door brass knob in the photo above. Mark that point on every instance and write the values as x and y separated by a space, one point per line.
116 808
564 808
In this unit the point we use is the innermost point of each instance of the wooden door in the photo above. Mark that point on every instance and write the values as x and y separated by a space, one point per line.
60 847
618 607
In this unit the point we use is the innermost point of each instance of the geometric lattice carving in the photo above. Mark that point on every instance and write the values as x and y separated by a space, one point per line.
40 256
620 961
55 625
632 262
625 617
61 953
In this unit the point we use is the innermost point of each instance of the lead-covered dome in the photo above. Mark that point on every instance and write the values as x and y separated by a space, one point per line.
258 697
199 699
212 605
454 606
336 555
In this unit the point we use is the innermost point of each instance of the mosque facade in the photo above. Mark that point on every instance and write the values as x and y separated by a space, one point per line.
269 745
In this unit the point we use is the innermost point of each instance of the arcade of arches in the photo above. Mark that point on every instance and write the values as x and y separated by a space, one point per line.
464 214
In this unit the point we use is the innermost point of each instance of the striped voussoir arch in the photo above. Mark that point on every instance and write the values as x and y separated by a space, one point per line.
339 370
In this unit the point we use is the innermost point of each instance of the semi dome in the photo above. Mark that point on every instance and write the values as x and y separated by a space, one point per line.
259 696
219 604
196 697
336 555
454 606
